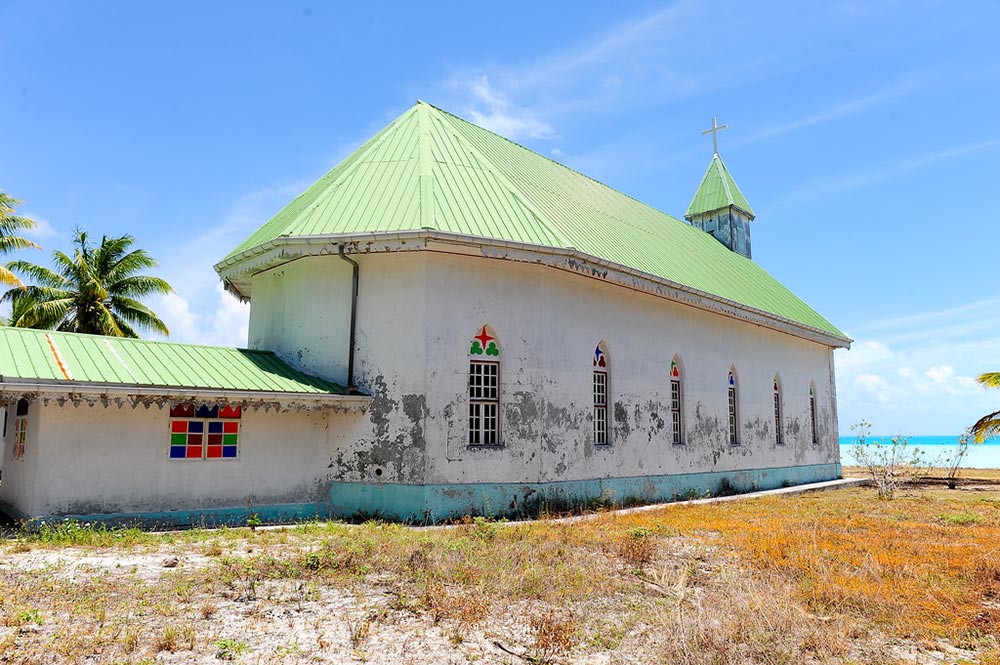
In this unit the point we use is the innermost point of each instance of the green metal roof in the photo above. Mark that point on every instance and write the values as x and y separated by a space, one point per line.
27 354
429 169
717 190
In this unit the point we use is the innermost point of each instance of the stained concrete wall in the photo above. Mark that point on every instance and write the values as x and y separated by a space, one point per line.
548 323
408 454
301 311
17 488
417 313
99 460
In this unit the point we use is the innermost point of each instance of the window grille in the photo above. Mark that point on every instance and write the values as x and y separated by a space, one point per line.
734 438
675 410
812 415
779 435
484 403
600 408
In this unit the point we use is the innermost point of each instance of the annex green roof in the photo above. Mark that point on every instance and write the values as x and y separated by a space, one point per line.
43 355
717 191
430 170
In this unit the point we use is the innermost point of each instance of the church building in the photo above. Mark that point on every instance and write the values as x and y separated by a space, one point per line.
446 323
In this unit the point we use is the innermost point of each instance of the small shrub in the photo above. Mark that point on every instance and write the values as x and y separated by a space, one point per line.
637 546
887 463
230 649
553 635
176 638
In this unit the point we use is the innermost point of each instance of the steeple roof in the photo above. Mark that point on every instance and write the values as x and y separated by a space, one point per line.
717 191
431 171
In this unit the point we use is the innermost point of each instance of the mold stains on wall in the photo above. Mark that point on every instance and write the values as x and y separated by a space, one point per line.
622 428
521 416
561 427
396 451
656 425
706 428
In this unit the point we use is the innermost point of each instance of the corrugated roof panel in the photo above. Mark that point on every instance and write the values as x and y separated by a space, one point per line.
25 354
717 190
484 185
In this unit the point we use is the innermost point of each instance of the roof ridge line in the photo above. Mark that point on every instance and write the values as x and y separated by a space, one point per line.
556 162
511 187
136 340
425 173
721 168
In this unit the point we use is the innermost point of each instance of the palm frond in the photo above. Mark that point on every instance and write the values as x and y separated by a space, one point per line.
986 427
989 379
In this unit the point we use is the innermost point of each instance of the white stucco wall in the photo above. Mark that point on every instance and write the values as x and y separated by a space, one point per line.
301 311
18 485
549 322
116 460
417 313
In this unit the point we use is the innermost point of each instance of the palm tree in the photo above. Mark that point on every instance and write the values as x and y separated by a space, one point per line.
10 224
989 425
96 291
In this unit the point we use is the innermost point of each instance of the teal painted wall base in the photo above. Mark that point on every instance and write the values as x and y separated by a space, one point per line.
210 517
428 504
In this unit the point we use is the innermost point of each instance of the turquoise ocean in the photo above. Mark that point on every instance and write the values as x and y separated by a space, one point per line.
985 456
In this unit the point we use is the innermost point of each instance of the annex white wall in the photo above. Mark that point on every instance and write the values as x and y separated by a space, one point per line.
116 460
18 484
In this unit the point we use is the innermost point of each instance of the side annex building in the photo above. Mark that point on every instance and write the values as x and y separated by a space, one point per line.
446 323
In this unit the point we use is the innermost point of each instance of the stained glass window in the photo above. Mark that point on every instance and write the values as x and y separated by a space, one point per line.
484 389
601 428
812 414
204 431
675 402
779 434
20 428
734 434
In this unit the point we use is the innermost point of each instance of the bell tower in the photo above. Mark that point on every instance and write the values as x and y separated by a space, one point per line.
718 206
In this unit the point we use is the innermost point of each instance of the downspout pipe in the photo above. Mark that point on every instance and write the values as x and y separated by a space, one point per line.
351 388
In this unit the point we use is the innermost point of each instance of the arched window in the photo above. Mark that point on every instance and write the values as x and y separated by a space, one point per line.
676 403
779 430
601 363
812 413
734 415
484 389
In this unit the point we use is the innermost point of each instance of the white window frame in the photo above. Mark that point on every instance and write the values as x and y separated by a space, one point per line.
734 411
779 432
484 402
602 429
677 411
812 418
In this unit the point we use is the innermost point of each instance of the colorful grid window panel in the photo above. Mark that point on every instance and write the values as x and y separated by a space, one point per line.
214 437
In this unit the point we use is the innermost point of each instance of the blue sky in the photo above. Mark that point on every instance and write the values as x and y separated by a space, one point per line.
863 133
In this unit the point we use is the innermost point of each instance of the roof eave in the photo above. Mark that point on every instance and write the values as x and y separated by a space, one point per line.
276 252
92 393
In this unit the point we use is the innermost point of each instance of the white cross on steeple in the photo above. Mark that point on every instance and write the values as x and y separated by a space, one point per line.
714 131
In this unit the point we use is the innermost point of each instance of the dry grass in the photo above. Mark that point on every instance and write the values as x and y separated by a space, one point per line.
828 577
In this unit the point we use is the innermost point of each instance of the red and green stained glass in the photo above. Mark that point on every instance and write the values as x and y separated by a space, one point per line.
204 432
484 343
675 370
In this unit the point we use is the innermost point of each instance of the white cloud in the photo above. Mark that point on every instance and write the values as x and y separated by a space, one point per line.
224 322
834 184
44 232
916 374
844 109
492 110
